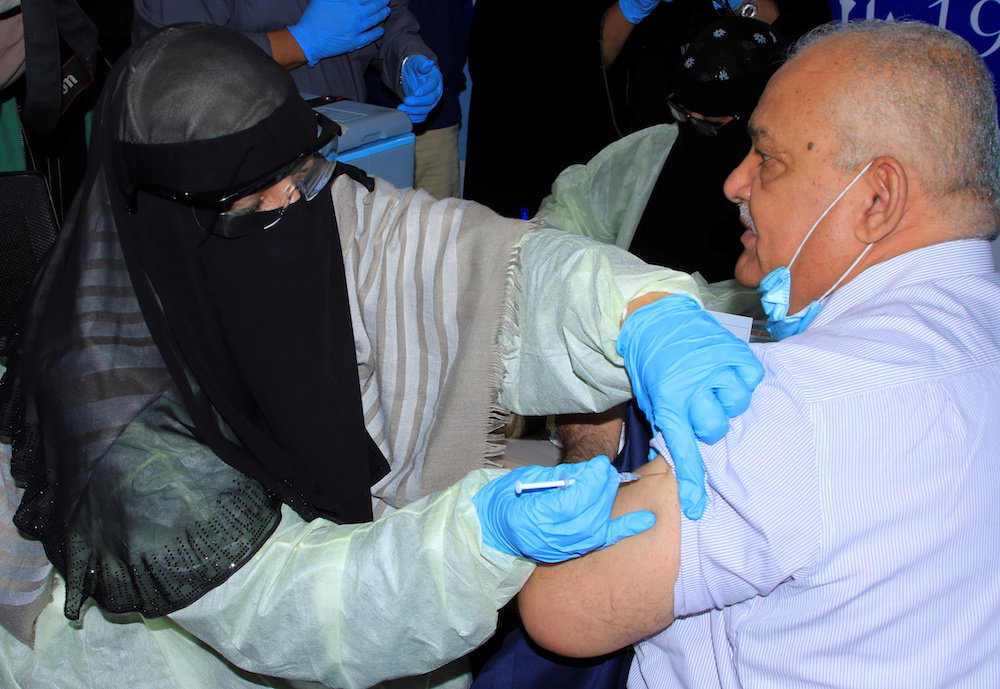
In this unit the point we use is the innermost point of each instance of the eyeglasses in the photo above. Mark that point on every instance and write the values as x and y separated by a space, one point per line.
246 216
700 125
313 172
308 177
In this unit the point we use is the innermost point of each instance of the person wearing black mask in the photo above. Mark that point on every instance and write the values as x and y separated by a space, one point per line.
658 191
688 224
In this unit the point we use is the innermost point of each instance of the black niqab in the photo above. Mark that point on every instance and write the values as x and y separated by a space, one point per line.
254 333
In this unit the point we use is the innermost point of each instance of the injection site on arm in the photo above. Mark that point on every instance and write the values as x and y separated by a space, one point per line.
586 607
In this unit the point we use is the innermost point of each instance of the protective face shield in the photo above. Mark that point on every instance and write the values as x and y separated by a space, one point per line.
776 286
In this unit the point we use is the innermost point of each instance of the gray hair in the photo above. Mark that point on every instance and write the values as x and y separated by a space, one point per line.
922 95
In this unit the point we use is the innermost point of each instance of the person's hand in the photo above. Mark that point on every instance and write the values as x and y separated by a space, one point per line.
690 376
558 523
334 27
637 10
422 85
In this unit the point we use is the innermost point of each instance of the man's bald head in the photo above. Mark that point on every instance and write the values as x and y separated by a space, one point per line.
922 95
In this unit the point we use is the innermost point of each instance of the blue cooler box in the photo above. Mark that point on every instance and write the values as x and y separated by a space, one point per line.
376 139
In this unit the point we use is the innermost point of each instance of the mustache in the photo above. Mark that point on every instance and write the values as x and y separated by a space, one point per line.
746 219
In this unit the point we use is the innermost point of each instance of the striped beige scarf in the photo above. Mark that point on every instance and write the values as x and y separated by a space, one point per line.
433 285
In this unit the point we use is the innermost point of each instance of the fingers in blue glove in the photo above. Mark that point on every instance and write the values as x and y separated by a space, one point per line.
629 525
556 525
423 87
417 113
734 392
709 422
689 376
689 470
334 27
418 71
422 64
673 348
637 10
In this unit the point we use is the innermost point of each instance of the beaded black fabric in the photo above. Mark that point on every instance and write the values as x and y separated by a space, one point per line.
27 229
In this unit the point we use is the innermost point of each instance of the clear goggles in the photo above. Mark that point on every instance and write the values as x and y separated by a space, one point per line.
309 173
308 177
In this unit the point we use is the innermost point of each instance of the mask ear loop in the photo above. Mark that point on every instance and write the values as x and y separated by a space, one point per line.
292 188
823 215
846 272
861 255
207 220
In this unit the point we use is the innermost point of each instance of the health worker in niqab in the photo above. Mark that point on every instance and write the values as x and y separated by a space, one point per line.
238 353
244 335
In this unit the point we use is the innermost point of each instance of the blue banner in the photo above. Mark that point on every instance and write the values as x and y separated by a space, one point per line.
977 21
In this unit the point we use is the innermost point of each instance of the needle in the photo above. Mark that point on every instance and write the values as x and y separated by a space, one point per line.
623 477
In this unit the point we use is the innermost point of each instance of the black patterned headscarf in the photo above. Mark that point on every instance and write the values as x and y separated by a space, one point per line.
723 70
146 325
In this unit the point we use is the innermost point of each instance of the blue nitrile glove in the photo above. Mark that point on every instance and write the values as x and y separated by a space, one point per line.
689 376
556 524
422 85
731 4
334 27
637 10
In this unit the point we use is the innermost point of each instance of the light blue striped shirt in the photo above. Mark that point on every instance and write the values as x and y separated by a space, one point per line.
852 533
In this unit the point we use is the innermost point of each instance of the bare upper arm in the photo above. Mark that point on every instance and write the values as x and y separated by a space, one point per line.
611 598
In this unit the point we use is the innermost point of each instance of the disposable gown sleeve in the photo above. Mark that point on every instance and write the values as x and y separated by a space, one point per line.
351 606
605 198
571 295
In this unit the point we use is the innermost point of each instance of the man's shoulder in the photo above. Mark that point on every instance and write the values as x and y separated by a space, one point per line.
911 333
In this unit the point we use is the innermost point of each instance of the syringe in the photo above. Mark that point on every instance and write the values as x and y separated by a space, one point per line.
623 477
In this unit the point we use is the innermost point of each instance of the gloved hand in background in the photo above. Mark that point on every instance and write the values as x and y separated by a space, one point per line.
334 27
422 85
689 376
556 524
637 10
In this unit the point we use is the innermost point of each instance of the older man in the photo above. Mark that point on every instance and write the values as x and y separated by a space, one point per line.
850 529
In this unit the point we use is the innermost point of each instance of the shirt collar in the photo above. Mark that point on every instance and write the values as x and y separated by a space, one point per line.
960 257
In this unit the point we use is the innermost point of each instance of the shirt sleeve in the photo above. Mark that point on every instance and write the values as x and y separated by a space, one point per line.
763 521
571 297
353 605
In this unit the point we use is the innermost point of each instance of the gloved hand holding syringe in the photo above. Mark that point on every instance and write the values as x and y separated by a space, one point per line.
552 526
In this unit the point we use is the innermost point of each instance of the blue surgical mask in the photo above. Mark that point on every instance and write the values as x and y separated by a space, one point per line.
776 286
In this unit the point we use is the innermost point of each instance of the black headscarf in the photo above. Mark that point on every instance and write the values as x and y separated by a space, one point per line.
252 336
